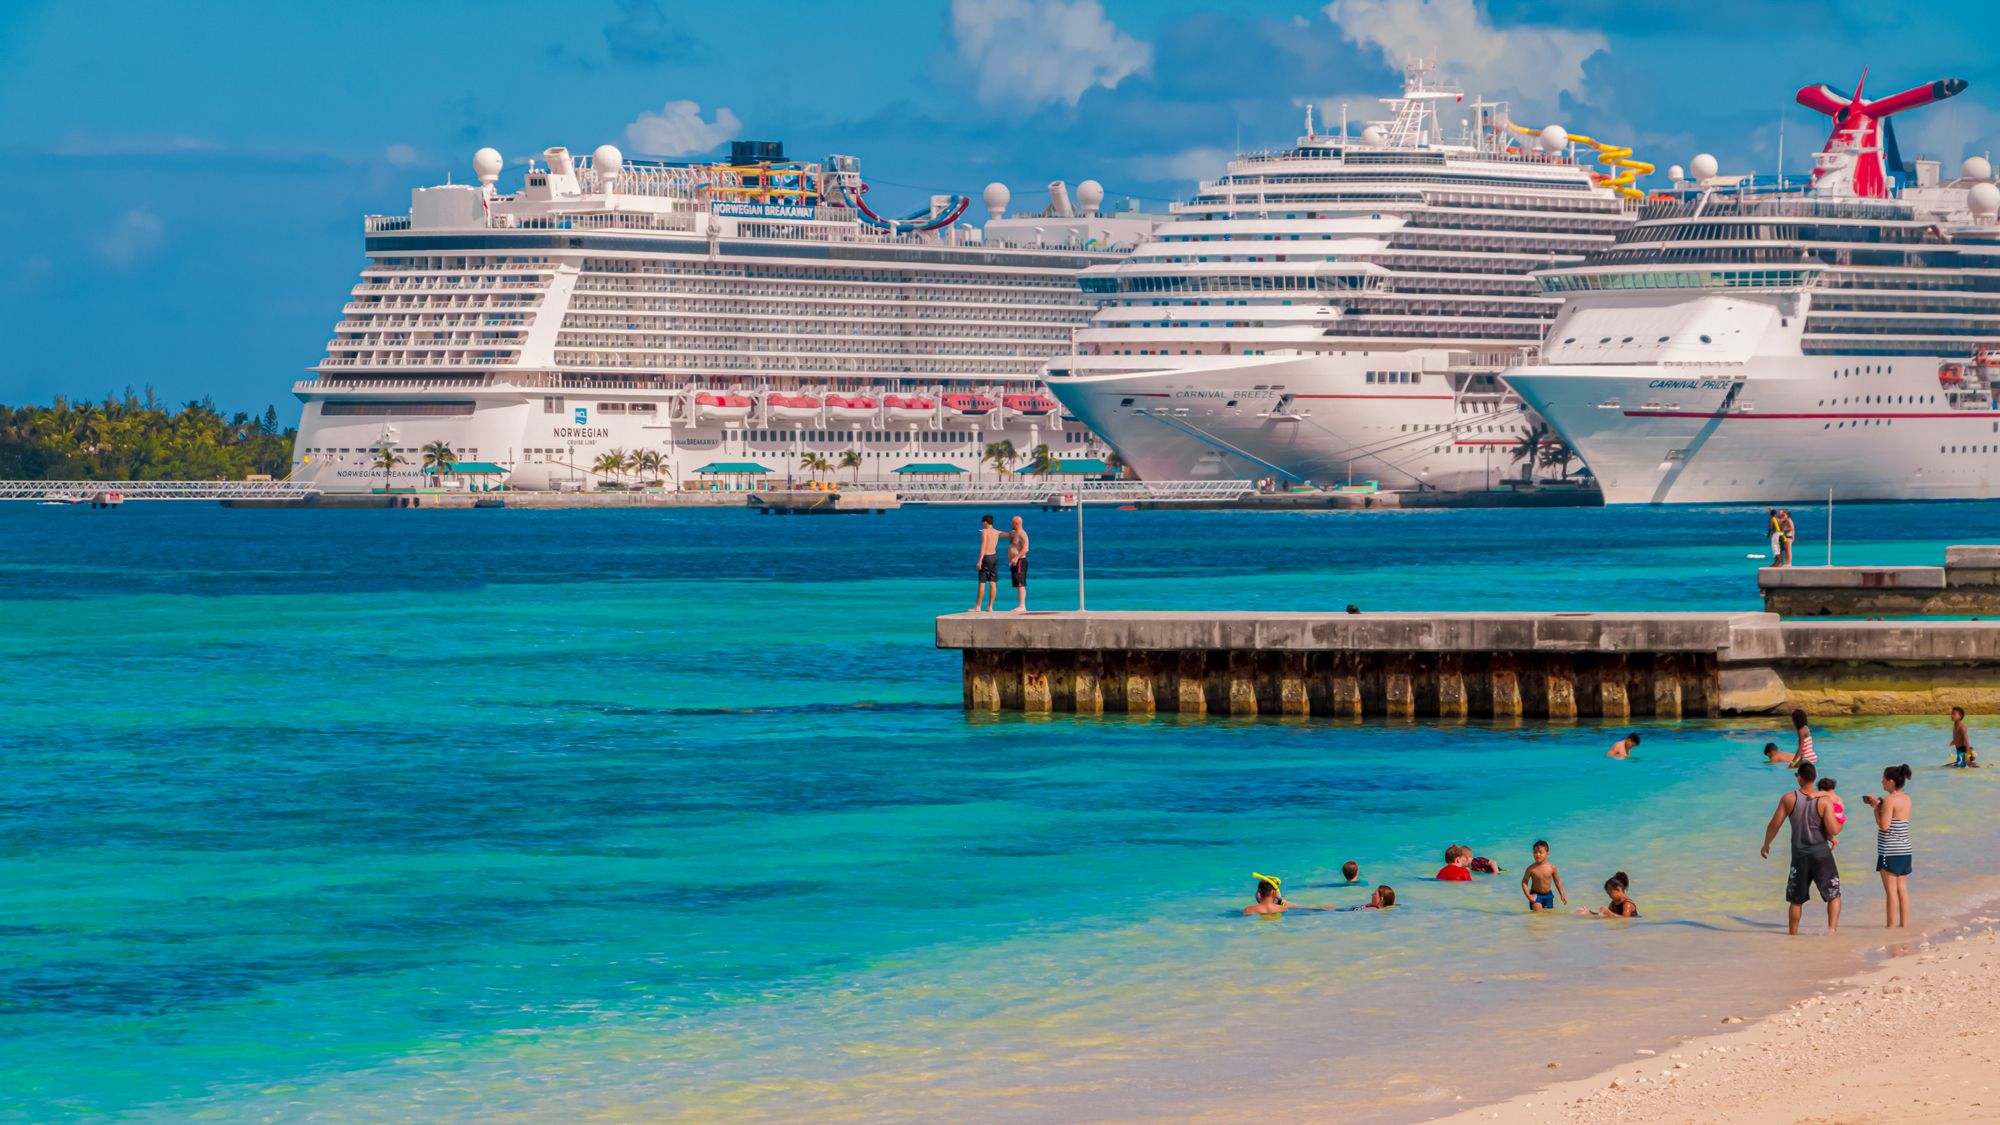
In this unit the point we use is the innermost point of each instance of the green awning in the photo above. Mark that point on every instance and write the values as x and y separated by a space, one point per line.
732 467
470 468
1079 466
930 469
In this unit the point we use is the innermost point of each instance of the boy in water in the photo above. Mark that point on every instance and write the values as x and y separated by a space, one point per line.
1541 882
1351 872
1963 755
1457 865
1776 756
1623 747
989 566
1270 901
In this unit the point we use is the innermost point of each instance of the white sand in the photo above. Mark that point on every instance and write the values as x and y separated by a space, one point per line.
1914 1041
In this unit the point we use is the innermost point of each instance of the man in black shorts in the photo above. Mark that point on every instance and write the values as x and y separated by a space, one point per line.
1810 814
1017 562
989 566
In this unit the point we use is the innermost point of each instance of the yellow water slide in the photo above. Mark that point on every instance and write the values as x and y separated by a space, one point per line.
1617 157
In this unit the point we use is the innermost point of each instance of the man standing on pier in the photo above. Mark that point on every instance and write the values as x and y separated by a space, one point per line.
989 566
1810 814
1017 562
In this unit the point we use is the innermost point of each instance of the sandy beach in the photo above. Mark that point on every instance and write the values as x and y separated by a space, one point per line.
1915 1039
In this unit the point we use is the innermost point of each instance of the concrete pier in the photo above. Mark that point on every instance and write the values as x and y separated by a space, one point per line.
1472 665
1967 583
818 502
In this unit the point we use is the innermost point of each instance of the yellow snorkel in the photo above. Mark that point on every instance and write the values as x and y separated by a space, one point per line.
1277 884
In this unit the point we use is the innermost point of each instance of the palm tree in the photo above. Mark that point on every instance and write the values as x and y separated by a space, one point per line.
1000 455
851 459
439 458
647 463
386 460
815 464
1556 454
1529 448
1116 464
1041 462
609 463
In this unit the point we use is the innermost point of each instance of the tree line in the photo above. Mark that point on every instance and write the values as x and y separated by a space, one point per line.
136 437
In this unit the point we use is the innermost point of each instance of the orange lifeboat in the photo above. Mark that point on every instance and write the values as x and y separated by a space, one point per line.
724 407
912 408
1950 376
1029 406
850 408
791 408
970 406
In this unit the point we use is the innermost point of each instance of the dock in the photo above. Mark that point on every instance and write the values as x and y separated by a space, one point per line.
823 502
1967 583
1558 666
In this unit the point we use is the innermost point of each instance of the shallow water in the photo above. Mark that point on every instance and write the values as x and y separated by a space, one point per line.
673 815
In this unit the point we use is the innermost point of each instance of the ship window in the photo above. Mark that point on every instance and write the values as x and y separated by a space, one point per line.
1663 339
1570 340
1626 340
1124 402
1605 340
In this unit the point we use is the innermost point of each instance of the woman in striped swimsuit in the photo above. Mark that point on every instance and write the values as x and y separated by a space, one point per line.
1893 854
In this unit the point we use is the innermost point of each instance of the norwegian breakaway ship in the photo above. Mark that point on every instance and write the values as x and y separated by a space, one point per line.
731 320
1753 347
1340 310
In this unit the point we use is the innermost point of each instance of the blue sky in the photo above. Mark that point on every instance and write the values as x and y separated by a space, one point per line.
194 175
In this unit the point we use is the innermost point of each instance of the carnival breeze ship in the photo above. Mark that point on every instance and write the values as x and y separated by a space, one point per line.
1340 310
1737 346
731 318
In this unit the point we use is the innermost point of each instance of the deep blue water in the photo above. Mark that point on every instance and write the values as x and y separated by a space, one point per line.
511 815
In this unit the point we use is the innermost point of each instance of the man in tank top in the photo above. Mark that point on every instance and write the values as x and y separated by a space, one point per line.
1813 826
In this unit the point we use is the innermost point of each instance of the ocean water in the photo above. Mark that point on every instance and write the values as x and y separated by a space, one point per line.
673 816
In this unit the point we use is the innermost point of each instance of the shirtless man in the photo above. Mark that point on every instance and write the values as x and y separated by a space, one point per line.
1623 747
989 566
1017 561
1810 814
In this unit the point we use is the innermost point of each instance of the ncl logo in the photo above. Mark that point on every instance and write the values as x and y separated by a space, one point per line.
582 415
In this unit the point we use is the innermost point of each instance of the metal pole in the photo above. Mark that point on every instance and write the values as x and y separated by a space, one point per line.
1829 527
1079 548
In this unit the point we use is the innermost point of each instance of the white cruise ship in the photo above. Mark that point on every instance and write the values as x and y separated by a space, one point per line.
1746 347
704 325
1340 310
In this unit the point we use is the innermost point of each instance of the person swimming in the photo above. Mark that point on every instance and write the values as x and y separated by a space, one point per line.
1776 756
1621 904
1271 900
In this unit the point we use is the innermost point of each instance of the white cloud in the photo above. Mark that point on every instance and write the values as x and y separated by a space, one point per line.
1529 65
402 156
136 234
1200 163
84 144
678 130
1950 132
1040 52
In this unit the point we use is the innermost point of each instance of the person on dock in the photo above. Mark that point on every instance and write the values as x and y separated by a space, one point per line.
1962 753
1621 905
1805 754
1775 756
1894 856
1623 747
1541 882
1774 532
989 567
1017 562
1787 531
1810 815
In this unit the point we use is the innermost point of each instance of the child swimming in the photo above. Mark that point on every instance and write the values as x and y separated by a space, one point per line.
1270 901
1623 747
1621 905
1541 882
1776 756
1457 865
1350 872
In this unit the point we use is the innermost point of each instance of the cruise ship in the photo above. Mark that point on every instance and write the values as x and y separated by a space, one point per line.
715 325
1340 310
1745 346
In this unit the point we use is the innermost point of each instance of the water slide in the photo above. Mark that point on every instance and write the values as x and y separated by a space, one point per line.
914 222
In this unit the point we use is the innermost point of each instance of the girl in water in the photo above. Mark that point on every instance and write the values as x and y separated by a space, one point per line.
1893 854
1621 905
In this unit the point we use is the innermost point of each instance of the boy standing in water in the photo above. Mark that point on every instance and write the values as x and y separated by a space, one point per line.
989 566
1541 882
1623 747
1961 744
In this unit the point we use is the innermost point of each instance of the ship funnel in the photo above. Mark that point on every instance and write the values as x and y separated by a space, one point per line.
1059 205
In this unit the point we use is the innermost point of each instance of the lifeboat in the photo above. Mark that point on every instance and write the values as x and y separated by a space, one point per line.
850 408
791 408
970 406
914 408
1949 376
1029 406
723 407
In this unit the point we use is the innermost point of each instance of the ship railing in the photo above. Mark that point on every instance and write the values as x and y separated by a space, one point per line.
90 490
417 384
1054 489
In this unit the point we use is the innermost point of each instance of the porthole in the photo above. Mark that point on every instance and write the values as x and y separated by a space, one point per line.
1606 340
1626 340
1706 340
1663 339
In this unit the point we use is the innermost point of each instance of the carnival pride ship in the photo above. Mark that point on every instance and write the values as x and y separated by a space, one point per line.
721 324
1340 310
1749 347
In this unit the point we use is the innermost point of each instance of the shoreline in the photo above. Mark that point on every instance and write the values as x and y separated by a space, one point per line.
1912 1036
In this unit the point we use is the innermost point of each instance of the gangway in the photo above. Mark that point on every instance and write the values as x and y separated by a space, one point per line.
1054 490
211 490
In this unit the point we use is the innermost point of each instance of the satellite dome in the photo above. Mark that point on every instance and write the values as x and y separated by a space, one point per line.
1373 135
607 160
1553 140
1976 168
1089 196
486 164
1677 173
1985 200
1704 167
996 198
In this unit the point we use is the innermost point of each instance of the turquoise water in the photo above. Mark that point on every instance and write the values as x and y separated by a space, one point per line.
543 816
